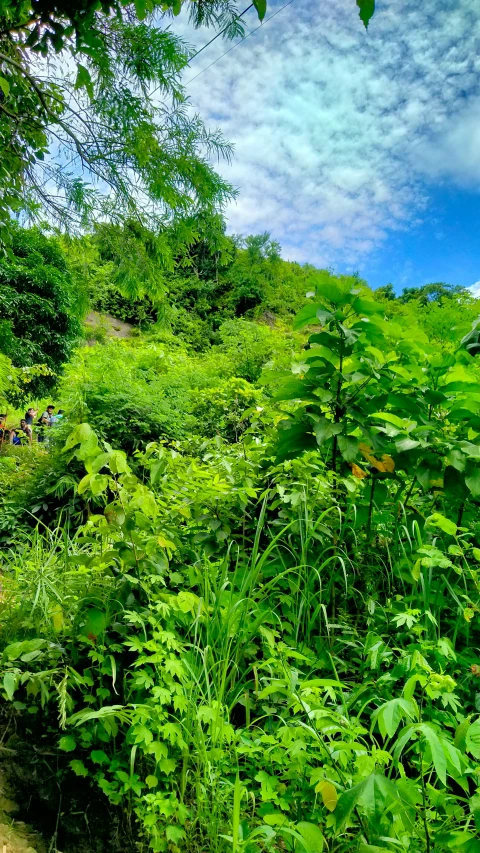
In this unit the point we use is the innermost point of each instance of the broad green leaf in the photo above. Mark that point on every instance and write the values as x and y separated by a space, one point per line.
151 781
295 389
457 841
118 462
4 86
261 7
307 315
400 423
436 749
98 483
275 819
460 739
158 749
367 306
10 681
175 833
187 601
78 767
470 449
312 837
347 802
389 716
439 520
367 9
348 446
95 622
472 480
429 472
371 797
81 433
293 439
472 739
16 650
84 484
404 736
325 429
83 80
98 756
474 804
403 445
99 462
67 743
140 9
380 794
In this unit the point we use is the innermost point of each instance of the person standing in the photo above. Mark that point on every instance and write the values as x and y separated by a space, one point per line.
30 416
56 418
48 414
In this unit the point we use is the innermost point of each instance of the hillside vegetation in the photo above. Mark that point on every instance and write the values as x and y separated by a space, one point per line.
240 583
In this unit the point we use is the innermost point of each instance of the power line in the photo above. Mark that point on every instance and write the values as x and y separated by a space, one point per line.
215 37
220 33
244 38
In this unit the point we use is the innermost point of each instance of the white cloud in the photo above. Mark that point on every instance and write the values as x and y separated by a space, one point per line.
454 150
336 129
475 289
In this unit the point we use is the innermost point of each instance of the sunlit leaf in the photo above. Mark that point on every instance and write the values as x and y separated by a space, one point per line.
67 743
328 793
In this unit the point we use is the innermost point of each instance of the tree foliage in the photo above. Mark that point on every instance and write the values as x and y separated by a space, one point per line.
39 307
93 117
100 84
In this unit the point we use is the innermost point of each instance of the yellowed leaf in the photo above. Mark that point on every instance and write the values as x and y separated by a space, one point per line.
328 793
166 543
358 472
388 463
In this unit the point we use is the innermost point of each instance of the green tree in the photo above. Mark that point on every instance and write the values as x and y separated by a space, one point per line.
115 112
385 292
435 292
39 306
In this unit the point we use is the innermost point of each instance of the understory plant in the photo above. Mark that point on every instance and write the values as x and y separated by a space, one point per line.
272 644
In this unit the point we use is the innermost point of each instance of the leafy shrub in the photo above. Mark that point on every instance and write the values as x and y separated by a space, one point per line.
264 636
39 307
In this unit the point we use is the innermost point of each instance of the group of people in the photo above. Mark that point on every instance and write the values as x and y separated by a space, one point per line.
29 428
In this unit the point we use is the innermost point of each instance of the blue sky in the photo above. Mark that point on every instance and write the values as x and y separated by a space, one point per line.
445 246
356 150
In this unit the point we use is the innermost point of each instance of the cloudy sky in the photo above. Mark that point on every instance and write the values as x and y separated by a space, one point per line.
359 150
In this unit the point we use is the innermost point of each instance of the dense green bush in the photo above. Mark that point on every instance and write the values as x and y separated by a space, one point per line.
39 306
260 631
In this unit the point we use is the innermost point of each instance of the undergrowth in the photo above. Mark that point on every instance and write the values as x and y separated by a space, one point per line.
262 634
